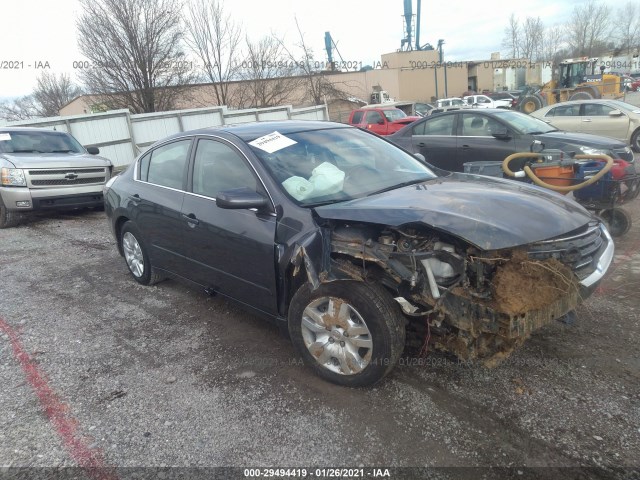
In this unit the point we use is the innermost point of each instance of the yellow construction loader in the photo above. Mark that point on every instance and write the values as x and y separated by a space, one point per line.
579 79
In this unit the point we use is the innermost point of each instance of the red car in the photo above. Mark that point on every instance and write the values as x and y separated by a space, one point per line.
383 121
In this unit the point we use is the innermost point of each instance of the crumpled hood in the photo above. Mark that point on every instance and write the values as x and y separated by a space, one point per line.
488 213
585 139
55 160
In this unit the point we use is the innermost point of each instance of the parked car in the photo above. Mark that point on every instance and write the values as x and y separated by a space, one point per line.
423 109
449 140
483 101
635 85
609 118
382 120
44 170
503 96
351 243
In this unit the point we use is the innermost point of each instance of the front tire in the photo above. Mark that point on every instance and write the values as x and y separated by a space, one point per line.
136 256
635 141
351 333
8 219
530 104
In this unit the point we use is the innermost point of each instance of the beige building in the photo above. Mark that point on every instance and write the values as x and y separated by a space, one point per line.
415 76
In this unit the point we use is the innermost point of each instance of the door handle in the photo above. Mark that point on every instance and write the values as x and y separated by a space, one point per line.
135 198
421 144
586 120
191 219
466 147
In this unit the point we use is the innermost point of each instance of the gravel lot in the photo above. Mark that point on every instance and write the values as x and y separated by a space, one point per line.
116 374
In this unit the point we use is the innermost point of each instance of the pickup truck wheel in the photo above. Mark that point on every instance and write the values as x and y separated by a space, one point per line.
136 256
349 332
8 219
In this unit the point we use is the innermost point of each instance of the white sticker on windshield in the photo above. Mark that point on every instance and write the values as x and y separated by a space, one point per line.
273 142
5 137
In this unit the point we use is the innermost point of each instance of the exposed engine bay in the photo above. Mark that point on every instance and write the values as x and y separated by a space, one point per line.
457 298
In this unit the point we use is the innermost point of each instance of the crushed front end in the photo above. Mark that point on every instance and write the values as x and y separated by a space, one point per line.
474 303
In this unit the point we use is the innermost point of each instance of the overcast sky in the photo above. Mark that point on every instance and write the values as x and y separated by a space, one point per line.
33 31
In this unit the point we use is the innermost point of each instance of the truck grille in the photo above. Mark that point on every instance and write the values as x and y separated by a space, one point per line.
67 177
579 249
64 172
77 181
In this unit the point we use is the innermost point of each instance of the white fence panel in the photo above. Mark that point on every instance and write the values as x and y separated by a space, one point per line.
281 114
148 129
122 136
96 131
311 113
202 120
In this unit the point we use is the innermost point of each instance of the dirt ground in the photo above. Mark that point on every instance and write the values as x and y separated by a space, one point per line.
98 371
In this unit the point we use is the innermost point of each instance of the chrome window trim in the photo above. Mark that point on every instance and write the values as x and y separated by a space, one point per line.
136 176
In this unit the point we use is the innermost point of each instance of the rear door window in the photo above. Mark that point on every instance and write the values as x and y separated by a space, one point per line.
165 165
436 126
357 117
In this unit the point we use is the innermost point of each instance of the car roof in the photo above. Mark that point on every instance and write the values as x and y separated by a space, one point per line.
253 130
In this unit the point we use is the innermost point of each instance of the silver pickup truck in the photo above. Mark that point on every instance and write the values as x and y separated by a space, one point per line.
44 169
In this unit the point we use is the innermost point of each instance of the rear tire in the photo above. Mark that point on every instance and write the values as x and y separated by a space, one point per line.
350 333
136 256
618 221
8 219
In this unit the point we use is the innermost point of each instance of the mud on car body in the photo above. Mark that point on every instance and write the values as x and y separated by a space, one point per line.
353 244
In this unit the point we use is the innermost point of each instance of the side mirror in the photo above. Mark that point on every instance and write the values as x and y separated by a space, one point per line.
380 122
93 150
501 134
240 199
615 113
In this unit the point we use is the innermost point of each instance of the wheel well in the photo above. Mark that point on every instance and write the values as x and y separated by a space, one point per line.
343 267
118 231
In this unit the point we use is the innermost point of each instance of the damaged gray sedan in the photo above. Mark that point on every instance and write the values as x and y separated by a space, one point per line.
356 247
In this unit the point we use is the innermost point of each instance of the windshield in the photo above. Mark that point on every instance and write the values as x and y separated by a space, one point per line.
41 141
339 164
627 107
394 114
523 123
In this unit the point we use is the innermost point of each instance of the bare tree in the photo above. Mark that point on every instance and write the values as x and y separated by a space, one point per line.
628 26
553 45
511 39
531 38
269 77
215 39
21 108
52 92
134 47
316 85
588 27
